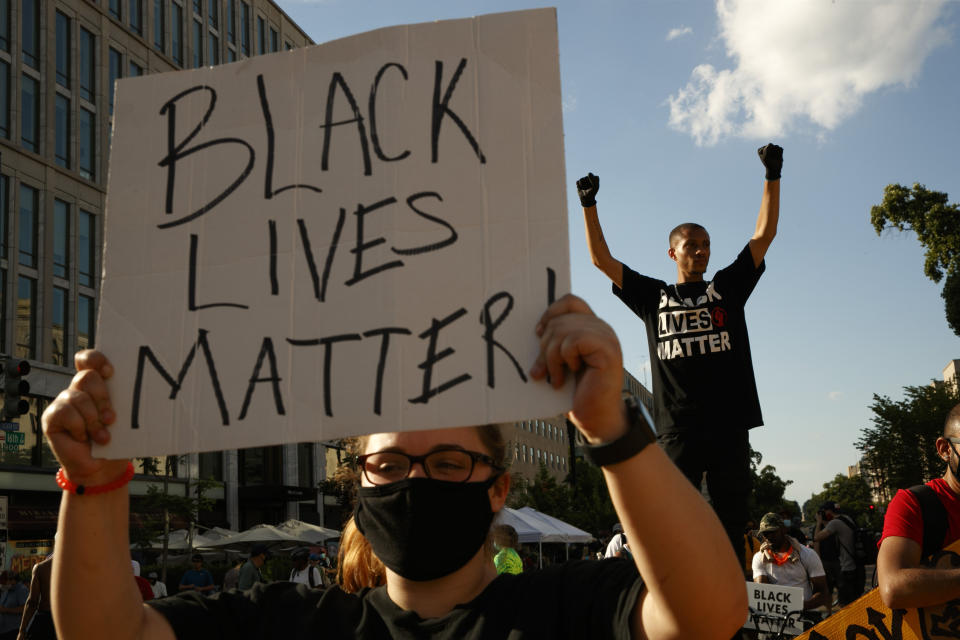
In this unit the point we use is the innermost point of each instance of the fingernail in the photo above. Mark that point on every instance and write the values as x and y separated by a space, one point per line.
539 329
536 371
107 416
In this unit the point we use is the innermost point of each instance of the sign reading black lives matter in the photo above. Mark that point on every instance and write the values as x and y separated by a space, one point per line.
349 238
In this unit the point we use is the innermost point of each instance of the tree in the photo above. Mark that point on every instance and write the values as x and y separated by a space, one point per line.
852 496
768 488
899 449
937 225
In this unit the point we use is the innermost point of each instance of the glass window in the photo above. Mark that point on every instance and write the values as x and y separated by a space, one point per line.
260 466
4 99
62 118
29 113
176 33
58 349
61 238
231 21
87 144
23 334
86 235
214 48
197 44
5 25
244 28
136 16
159 25
214 9
135 70
87 77
198 7
261 36
29 199
305 464
63 50
274 40
287 46
4 209
211 465
231 55
115 8
30 32
116 71
3 310
85 320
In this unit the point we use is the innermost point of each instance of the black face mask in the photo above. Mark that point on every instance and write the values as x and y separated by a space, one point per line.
424 529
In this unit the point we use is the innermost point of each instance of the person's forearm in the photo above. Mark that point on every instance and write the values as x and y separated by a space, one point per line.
93 593
912 588
28 614
769 215
597 244
682 552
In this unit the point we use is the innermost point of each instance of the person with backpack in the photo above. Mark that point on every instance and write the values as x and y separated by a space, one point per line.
832 523
919 522
303 572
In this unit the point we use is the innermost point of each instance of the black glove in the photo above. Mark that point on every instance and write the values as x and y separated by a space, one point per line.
772 158
587 187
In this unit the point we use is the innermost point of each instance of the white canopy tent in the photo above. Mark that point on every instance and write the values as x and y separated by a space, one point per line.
260 534
313 533
533 526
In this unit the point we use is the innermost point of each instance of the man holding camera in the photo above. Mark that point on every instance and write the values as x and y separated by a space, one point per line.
833 527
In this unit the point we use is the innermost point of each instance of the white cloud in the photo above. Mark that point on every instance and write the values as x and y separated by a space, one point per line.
835 395
679 31
804 60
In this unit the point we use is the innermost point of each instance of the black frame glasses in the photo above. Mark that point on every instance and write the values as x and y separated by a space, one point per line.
431 462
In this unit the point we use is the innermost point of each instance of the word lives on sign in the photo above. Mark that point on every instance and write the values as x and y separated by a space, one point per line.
773 608
342 239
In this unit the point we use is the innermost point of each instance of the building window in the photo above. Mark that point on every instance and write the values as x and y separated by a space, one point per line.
61 238
30 32
29 113
211 465
116 71
114 8
231 21
214 14
4 210
4 99
176 33
29 200
63 50
5 25
231 55
87 62
136 16
198 7
86 144
197 44
159 25
23 334
261 36
305 464
287 46
58 350
3 310
274 40
260 466
86 252
62 131
85 310
244 28
214 48
135 70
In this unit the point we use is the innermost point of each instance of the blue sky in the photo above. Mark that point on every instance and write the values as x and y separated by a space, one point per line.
667 100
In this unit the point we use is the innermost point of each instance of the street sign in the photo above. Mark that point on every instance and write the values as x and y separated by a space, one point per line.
15 437
9 426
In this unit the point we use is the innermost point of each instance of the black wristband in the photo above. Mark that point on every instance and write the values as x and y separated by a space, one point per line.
639 434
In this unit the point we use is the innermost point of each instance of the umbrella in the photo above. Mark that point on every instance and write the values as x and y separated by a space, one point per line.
259 534
313 533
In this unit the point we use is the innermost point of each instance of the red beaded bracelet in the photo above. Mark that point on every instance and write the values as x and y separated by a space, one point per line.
81 490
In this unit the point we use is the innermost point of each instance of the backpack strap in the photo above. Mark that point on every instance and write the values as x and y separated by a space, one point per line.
934 518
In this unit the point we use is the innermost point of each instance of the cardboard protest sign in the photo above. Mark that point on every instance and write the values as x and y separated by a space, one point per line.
773 608
349 238
868 617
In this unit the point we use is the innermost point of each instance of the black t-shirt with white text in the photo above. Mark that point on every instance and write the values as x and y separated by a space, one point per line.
699 349
580 599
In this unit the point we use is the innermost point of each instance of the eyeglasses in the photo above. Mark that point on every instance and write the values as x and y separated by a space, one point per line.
450 465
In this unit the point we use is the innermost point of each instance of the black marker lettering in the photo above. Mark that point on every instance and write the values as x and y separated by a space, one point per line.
441 108
551 286
337 80
268 190
274 285
266 349
895 632
192 283
175 385
489 326
308 253
436 245
382 363
176 152
333 247
374 138
433 357
327 359
358 272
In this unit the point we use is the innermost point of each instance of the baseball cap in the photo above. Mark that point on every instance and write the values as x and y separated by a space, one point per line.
770 522
829 505
300 553
617 528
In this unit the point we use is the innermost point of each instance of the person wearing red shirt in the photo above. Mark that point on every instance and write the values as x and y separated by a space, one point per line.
904 584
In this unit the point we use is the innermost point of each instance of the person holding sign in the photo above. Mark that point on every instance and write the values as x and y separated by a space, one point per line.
703 383
918 523
454 482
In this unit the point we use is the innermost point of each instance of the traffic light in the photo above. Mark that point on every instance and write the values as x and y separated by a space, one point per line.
14 387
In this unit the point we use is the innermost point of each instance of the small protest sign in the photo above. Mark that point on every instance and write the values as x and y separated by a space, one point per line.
342 239
774 609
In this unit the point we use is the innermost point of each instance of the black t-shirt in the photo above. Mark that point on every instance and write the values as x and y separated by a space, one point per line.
581 599
699 349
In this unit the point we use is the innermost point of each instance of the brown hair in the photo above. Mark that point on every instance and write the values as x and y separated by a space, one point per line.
506 536
357 565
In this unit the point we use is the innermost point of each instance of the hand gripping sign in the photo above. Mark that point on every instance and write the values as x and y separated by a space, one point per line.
348 238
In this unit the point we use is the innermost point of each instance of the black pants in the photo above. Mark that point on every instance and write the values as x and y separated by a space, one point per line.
850 587
724 455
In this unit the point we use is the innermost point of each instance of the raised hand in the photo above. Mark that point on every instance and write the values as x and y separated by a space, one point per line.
771 156
587 188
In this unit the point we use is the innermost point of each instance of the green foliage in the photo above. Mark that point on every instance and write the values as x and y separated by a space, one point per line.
852 496
899 450
768 489
937 225
581 499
